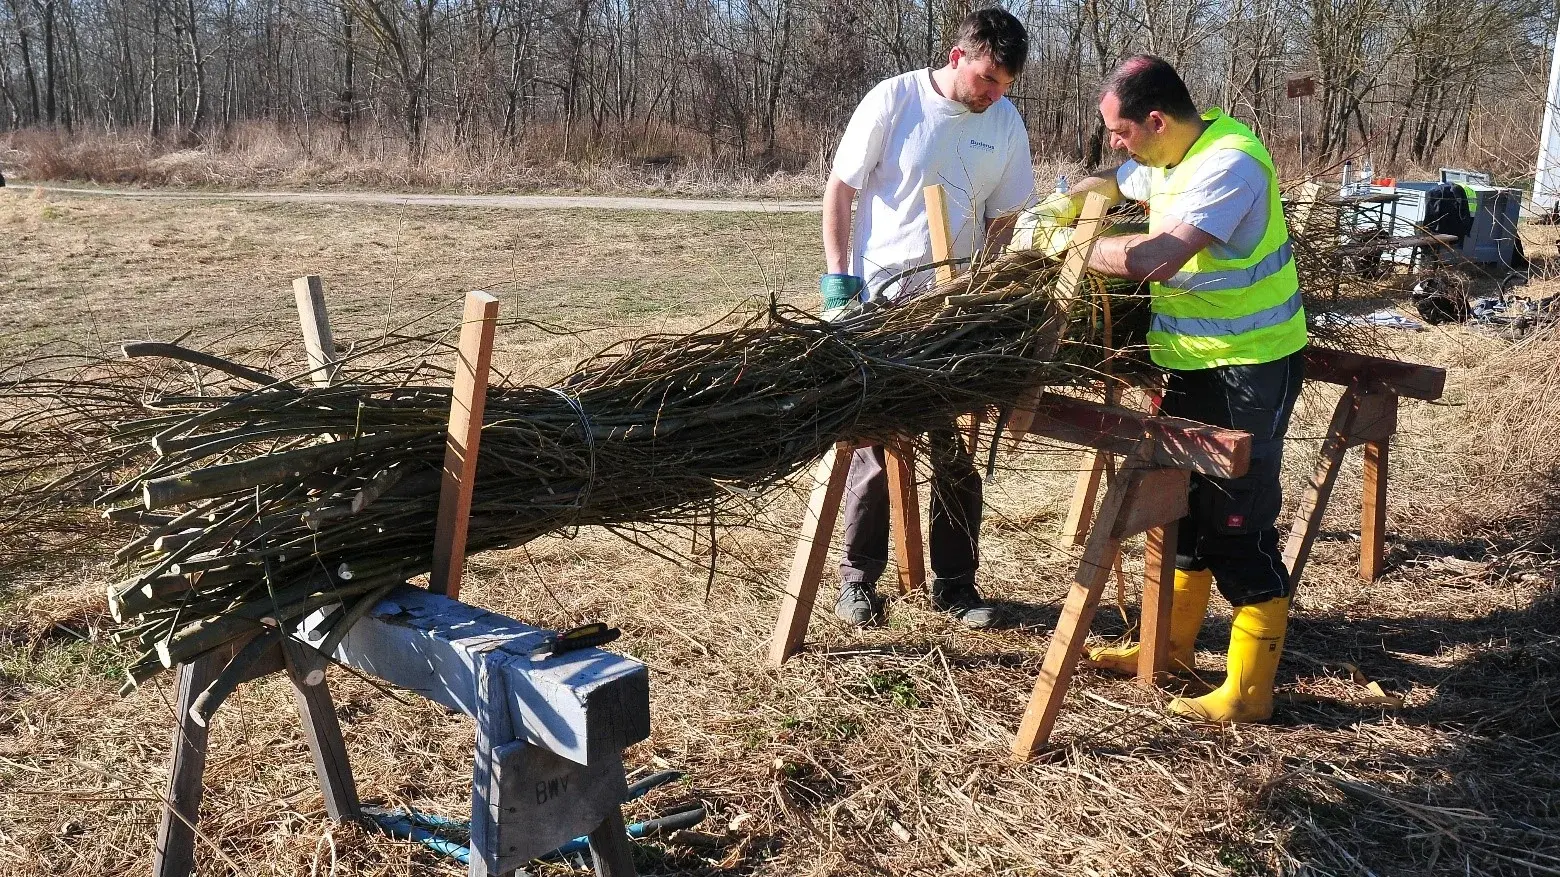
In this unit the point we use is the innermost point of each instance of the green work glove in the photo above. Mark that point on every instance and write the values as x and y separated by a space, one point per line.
838 291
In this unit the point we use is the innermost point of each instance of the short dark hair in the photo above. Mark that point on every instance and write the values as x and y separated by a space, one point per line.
994 33
1144 83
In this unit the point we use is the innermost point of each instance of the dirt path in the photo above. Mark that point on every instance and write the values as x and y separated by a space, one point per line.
513 202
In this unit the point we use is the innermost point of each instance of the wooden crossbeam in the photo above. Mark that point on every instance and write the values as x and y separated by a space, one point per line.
1414 381
1211 450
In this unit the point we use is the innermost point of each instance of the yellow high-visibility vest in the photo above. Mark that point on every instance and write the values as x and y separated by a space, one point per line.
1216 312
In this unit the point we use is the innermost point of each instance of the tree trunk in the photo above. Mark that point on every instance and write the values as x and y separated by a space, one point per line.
153 128
28 71
46 12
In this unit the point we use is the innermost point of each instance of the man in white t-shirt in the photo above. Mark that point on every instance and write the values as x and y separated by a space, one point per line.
950 126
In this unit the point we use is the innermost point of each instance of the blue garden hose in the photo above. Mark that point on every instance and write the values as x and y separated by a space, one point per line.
430 830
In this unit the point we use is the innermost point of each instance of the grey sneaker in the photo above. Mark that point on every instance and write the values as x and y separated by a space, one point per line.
962 601
859 605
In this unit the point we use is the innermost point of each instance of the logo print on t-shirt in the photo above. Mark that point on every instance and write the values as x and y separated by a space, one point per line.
979 145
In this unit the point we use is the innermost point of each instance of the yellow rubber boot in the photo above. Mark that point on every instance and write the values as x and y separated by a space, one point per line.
1188 605
1256 643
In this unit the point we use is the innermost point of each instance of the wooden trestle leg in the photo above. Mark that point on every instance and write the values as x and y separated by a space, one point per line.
1363 417
1139 497
1075 527
322 730
1373 512
1154 614
817 531
175 853
905 516
812 549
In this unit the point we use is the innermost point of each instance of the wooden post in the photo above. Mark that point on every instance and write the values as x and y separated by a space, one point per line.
812 549
1309 193
462 442
942 234
1086 234
905 516
1154 611
309 293
969 426
1373 512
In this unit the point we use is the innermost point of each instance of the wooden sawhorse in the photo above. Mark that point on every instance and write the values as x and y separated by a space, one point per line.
1147 493
550 730
1366 415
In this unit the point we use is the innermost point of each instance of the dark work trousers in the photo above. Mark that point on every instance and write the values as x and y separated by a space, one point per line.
1231 526
955 513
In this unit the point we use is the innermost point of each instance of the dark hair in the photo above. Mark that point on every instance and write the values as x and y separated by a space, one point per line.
994 33
1144 83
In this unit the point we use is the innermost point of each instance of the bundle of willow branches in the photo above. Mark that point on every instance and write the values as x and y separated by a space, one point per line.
263 499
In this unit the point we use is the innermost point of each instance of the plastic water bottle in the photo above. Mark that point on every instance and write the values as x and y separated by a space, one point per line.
1370 176
1061 183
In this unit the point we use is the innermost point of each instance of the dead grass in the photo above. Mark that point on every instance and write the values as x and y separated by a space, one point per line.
258 155
264 155
882 752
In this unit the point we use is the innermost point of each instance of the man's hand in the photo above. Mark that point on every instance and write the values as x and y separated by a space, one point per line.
838 291
1035 224
1054 242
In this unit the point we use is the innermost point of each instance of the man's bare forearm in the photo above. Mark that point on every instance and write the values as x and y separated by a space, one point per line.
1111 256
838 199
1156 256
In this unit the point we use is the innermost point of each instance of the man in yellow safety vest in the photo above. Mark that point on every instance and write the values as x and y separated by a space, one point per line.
1228 326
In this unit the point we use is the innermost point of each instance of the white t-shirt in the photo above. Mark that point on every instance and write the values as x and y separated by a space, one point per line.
1227 198
905 136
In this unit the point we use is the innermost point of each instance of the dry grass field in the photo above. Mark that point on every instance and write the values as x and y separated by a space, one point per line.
1418 730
